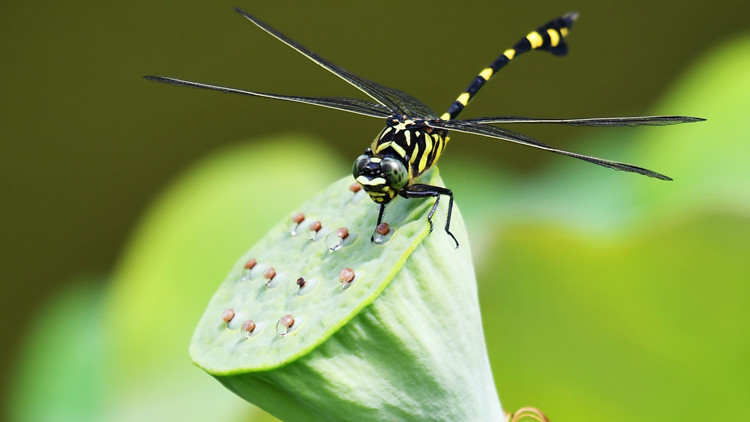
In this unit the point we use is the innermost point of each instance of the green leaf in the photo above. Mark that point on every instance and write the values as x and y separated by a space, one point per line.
60 374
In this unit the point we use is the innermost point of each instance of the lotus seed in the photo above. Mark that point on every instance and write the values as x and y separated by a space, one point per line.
250 263
355 187
315 226
382 229
346 275
298 218
269 274
248 326
227 315
305 286
285 324
335 240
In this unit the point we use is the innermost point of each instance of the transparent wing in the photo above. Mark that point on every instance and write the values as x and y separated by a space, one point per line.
351 105
507 135
393 99
406 104
593 121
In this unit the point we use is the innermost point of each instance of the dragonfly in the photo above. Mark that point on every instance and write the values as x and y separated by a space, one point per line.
414 136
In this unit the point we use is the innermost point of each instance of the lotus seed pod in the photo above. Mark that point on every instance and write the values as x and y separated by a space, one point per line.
367 331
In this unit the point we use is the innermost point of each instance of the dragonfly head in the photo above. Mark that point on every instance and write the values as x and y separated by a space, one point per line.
381 177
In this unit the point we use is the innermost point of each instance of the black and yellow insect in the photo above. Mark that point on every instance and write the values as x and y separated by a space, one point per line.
414 136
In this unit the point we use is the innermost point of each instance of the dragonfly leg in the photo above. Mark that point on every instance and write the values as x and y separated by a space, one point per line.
423 191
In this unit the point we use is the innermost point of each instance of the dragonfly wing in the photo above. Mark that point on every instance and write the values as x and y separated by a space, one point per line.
394 100
507 135
351 105
593 121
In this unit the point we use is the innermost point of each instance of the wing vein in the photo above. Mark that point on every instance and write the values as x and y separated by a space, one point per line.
351 105
591 121
507 135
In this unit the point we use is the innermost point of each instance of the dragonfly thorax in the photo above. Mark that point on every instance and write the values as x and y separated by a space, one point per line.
402 151
414 141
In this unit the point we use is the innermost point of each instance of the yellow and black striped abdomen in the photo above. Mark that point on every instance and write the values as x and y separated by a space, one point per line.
549 37
417 145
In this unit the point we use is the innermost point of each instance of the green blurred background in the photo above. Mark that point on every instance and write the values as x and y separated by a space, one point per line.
605 295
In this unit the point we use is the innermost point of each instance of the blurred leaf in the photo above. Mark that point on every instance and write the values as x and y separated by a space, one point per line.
62 359
646 322
709 161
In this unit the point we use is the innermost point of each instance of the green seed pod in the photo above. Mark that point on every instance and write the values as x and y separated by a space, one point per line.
388 331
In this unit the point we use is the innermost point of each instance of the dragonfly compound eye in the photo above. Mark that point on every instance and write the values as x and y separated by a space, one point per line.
359 165
395 172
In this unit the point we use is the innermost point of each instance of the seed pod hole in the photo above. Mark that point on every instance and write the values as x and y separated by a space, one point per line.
347 277
227 315
273 278
250 264
305 286
269 273
359 193
339 238
233 319
382 234
247 269
285 324
297 219
313 230
248 327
